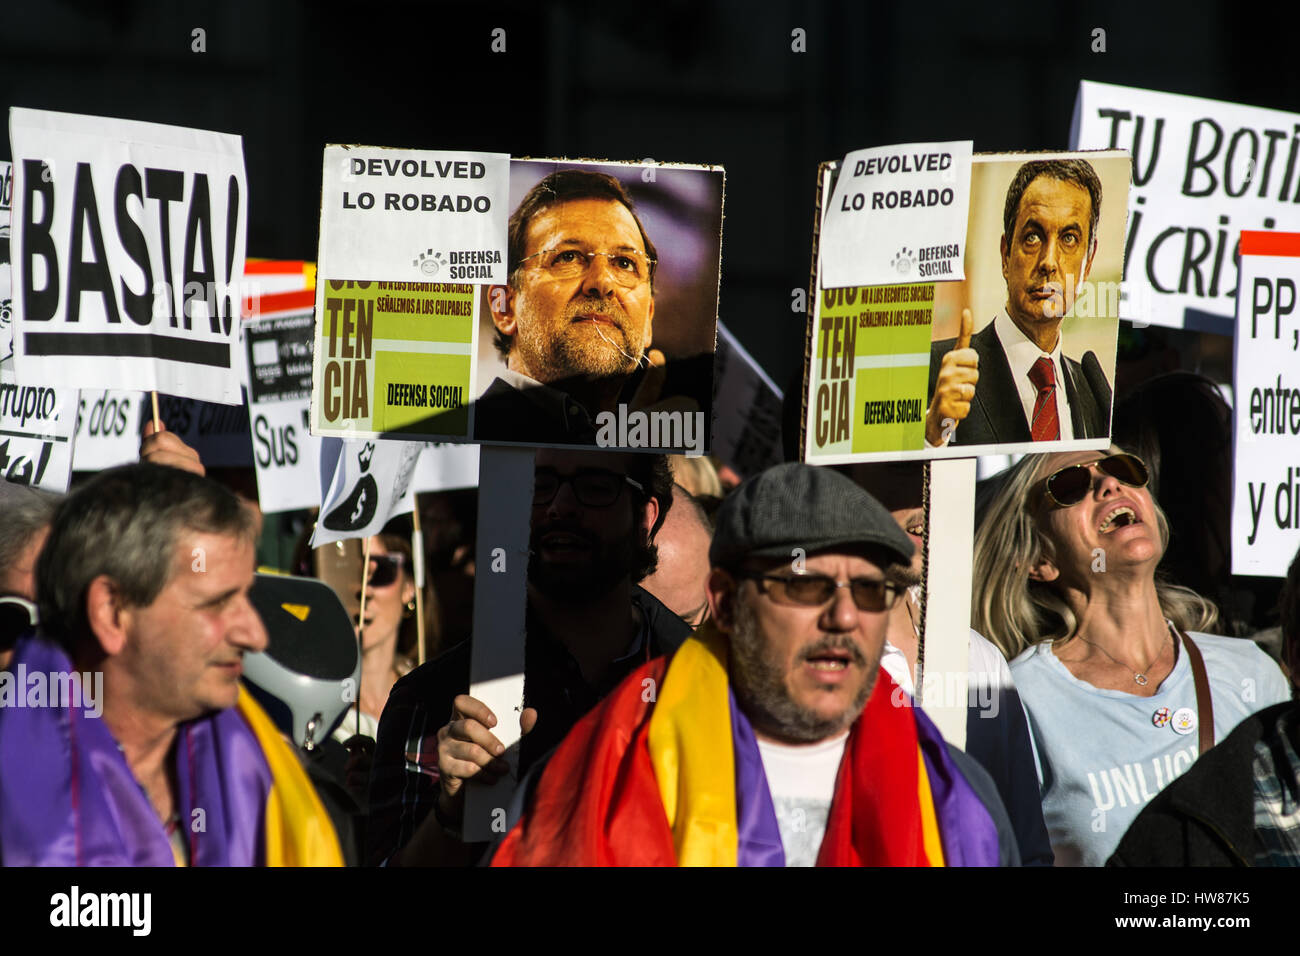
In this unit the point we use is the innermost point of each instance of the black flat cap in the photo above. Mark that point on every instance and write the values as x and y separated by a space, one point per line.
800 506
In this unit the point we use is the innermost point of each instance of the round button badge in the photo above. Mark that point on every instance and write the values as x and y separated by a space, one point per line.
1184 720
1161 716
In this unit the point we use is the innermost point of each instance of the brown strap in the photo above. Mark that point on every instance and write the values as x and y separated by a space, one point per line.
1204 704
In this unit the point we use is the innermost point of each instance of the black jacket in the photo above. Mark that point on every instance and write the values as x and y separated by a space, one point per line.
996 414
403 776
1207 816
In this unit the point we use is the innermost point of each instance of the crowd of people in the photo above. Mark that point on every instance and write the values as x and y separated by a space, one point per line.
709 678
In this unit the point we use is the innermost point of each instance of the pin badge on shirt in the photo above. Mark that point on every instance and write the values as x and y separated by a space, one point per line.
1184 721
1161 716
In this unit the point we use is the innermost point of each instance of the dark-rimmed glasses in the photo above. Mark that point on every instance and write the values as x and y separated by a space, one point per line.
628 266
593 488
815 590
1071 484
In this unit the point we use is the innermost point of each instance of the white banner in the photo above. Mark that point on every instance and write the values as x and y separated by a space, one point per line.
127 254
444 466
898 214
1266 406
108 429
1203 171
414 215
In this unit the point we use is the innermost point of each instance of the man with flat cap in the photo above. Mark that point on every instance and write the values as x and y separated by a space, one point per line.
769 737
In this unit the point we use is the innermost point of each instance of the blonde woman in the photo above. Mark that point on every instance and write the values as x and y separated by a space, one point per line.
1107 658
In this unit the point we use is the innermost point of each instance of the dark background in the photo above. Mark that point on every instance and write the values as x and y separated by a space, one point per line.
673 81
684 81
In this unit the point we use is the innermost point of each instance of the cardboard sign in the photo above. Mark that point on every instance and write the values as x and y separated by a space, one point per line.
943 369
1266 386
595 337
897 213
108 428
1203 171
747 429
401 215
443 467
277 351
36 430
128 247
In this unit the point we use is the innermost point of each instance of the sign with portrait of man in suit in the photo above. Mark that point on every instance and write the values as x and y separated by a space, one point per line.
1018 356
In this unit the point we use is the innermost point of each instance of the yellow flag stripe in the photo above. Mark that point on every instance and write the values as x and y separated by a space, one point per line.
691 751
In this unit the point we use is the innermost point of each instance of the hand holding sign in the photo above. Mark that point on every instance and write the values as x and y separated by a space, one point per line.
955 388
161 447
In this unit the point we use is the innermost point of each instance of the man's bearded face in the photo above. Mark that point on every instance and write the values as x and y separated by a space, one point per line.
591 326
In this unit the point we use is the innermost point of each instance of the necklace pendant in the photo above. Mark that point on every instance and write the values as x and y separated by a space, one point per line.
1140 679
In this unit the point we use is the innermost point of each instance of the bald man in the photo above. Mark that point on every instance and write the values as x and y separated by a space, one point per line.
683 543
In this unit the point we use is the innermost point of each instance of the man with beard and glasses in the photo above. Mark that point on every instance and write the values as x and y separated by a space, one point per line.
576 320
771 737
595 515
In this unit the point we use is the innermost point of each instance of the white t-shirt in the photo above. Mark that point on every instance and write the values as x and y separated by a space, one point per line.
1103 754
802 781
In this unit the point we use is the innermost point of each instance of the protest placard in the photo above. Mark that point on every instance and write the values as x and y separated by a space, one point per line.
129 247
897 212
36 430
108 428
1203 170
1266 386
1018 356
444 466
463 331
747 426
277 350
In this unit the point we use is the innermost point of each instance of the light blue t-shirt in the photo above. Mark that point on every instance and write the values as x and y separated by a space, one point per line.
1103 754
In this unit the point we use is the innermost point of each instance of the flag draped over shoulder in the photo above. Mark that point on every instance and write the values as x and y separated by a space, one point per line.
242 797
666 771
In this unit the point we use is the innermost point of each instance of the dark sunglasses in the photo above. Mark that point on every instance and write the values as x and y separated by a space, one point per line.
386 569
593 488
815 590
1071 484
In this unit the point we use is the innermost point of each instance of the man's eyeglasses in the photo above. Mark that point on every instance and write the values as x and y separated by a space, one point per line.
385 568
1070 485
629 267
815 590
592 488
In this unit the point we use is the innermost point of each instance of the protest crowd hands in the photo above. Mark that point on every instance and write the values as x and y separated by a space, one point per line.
955 389
467 748
161 447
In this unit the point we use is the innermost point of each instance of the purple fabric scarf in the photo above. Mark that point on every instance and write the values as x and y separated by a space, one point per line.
68 798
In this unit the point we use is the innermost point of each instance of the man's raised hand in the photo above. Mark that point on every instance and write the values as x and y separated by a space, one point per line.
954 389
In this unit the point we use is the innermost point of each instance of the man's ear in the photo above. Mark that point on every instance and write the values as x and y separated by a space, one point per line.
649 516
1004 247
720 590
501 303
108 615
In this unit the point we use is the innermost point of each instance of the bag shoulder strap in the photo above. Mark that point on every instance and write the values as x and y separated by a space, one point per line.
1204 703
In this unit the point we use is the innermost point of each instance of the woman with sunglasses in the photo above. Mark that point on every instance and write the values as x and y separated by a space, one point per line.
1122 687
388 632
